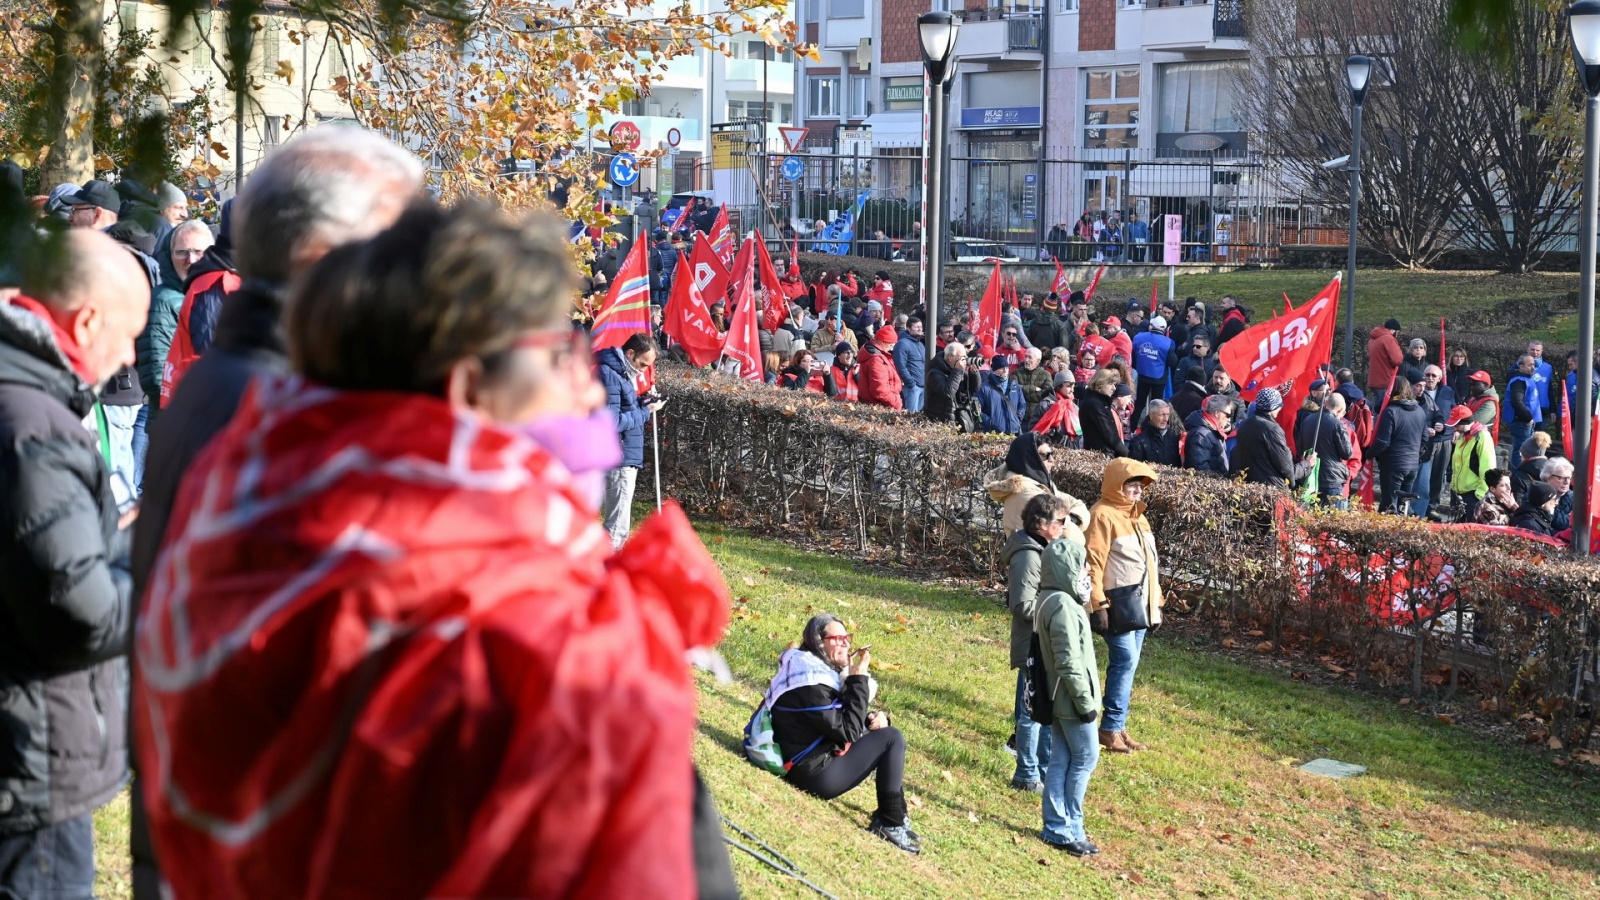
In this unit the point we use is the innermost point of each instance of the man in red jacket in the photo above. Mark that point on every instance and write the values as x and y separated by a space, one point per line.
1383 358
880 382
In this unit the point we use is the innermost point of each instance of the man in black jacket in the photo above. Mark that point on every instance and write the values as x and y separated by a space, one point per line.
1324 432
952 383
66 595
1261 453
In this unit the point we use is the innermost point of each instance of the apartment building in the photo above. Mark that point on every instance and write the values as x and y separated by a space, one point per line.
1058 106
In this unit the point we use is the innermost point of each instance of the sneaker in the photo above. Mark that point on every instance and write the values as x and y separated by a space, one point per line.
900 836
1028 787
878 823
1011 744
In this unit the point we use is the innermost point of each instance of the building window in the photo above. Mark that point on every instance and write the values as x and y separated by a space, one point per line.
1197 97
813 10
860 91
759 50
1066 6
269 47
1111 108
822 98
847 9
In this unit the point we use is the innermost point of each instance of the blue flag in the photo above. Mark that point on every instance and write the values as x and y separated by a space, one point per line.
841 233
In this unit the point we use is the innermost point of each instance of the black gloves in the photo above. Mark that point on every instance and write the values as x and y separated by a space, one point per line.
1099 622
1088 718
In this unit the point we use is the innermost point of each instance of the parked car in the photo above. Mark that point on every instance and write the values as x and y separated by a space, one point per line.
968 251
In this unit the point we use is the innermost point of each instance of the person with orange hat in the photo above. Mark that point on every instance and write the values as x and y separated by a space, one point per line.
1116 341
1484 402
879 381
1471 459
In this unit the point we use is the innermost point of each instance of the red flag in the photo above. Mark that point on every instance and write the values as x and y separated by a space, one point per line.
722 236
626 310
1566 422
710 275
1155 295
743 266
1280 349
1594 429
769 278
1295 397
1062 414
794 253
986 325
1442 369
1088 295
1061 285
645 381
688 321
1287 303
743 344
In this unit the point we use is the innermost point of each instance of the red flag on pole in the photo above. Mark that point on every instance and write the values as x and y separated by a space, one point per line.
743 266
1155 295
986 324
722 236
1566 422
1280 349
1061 285
743 344
1594 429
1442 368
777 311
710 275
626 309
1088 295
688 321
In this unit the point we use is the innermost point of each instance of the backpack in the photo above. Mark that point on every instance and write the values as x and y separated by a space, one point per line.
762 750
182 354
1360 417
1036 694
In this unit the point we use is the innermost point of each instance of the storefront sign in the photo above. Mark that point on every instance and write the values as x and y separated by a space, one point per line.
1001 117
897 93
1174 241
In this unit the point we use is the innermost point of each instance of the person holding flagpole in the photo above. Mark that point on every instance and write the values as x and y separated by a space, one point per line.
620 368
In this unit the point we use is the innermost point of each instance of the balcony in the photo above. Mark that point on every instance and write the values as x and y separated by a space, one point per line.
778 76
994 35
1193 25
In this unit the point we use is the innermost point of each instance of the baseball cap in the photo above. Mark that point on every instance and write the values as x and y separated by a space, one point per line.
1157 323
1480 375
97 193
1113 321
1458 415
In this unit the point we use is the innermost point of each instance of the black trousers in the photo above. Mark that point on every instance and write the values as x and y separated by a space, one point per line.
882 751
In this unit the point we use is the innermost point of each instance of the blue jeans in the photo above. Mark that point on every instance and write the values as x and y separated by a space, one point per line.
1033 740
1392 483
55 862
911 396
1519 432
141 446
120 423
1122 660
1074 752
1424 483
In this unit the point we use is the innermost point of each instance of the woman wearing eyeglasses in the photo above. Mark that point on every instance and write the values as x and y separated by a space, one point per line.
829 739
387 649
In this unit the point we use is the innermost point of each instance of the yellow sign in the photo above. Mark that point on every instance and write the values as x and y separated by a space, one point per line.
723 145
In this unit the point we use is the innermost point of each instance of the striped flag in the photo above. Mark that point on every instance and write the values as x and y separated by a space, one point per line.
722 236
626 310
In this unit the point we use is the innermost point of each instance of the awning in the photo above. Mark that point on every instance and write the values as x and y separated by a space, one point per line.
895 129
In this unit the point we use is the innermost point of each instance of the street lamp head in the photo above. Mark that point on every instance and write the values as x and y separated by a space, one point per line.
1358 70
1583 19
937 33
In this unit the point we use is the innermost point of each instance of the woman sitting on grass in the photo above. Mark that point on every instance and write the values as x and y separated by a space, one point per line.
830 742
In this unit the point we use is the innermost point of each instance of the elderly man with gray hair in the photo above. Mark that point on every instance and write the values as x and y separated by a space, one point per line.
325 188
1034 379
1558 474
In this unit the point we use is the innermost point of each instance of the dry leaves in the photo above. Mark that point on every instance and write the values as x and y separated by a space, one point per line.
1446 718
945 774
913 800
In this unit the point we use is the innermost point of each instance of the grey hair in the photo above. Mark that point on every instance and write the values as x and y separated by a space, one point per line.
1035 354
951 348
1156 406
329 183
1218 403
188 225
1558 466
1335 402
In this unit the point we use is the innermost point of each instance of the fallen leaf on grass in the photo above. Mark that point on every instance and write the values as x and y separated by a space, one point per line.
1264 647
1554 743
1043 862
843 603
1587 756
1249 841
1229 643
1256 633
1133 877
1225 839
972 817
1405 701
894 629
947 776
1016 839
1446 718
1170 830
913 801
902 620
748 581
886 666
765 571
976 617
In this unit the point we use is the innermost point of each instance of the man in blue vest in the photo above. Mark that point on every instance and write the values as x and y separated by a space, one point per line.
1152 350
1523 411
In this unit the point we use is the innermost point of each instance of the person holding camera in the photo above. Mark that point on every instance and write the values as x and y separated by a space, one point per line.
619 368
829 740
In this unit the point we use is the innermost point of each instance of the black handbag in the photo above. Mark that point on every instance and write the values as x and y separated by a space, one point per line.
969 417
1126 610
1036 697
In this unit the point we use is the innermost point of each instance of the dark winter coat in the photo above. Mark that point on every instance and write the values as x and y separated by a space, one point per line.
623 399
1002 404
1262 455
1152 445
1205 450
1187 400
948 390
153 343
1401 431
1332 443
1534 519
66 595
1523 477
1048 331
1099 423
795 731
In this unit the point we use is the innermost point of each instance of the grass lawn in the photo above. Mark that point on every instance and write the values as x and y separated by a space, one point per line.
1215 808
1414 298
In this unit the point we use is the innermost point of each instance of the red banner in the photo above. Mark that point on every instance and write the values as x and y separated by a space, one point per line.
1088 295
1061 285
709 274
743 344
777 308
722 236
688 322
626 309
1280 349
986 324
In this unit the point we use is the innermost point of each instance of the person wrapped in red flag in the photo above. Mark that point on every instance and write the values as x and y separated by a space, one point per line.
387 650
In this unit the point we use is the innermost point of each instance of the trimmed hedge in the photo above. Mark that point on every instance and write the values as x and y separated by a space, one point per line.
891 487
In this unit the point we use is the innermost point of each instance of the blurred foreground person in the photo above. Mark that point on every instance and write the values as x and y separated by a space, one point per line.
387 649
65 592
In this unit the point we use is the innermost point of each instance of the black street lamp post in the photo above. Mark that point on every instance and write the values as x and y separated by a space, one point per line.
1358 70
936 32
1583 18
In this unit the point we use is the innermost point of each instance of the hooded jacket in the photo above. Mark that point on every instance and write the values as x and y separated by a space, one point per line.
1523 477
877 380
1023 476
1121 547
65 597
1065 640
1383 358
1022 557
1401 430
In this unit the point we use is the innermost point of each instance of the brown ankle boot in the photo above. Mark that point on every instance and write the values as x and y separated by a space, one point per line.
1112 742
1132 744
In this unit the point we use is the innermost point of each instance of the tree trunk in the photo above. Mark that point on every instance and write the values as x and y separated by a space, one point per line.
75 40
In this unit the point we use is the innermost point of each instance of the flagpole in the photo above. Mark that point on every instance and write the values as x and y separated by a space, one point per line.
655 451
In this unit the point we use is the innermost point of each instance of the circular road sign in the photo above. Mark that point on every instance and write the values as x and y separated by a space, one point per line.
793 168
625 136
674 137
624 170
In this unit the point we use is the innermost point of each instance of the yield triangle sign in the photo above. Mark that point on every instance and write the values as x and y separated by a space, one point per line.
792 137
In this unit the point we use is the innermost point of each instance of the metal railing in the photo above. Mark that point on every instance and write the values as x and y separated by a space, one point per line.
1025 32
1227 19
